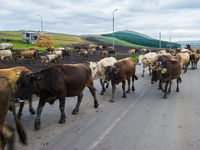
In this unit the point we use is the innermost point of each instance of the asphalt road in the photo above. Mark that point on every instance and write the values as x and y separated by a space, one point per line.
142 121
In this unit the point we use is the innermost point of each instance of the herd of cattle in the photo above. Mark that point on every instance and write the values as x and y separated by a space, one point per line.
66 80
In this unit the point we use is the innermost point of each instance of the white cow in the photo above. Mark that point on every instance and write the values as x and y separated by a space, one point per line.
50 58
5 54
6 46
147 60
98 70
58 52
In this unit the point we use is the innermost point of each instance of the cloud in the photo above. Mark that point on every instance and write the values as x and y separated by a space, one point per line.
95 16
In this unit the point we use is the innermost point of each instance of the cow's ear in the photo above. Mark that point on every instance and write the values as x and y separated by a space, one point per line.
164 70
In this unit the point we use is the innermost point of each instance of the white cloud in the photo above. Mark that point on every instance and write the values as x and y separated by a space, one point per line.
179 18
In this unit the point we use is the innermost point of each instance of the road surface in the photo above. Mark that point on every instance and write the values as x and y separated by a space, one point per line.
142 121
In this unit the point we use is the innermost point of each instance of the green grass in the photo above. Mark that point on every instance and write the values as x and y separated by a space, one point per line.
11 35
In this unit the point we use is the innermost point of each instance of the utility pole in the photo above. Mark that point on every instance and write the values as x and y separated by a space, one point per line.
159 40
41 21
113 29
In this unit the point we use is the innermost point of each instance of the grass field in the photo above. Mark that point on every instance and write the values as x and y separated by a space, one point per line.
60 40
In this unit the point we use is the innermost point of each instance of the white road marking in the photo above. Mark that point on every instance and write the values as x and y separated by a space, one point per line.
113 124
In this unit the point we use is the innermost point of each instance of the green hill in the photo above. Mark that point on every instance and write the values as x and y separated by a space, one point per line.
140 39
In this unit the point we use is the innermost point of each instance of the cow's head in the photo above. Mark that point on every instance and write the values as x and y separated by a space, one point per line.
93 67
157 73
112 72
26 85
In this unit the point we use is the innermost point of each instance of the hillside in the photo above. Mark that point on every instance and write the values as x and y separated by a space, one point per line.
139 39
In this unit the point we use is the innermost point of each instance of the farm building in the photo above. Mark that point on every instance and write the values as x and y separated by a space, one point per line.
31 36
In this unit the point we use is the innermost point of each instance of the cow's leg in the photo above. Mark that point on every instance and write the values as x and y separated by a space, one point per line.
107 85
19 114
129 82
177 81
123 88
170 84
62 109
143 72
186 67
149 70
160 85
76 109
165 94
113 92
103 88
31 110
133 80
39 110
92 91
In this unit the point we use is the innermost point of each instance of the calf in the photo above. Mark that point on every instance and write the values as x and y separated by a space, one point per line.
168 71
98 70
83 53
13 74
184 59
56 82
27 54
6 131
122 70
132 51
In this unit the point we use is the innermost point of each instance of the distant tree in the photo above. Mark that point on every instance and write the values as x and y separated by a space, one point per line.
45 41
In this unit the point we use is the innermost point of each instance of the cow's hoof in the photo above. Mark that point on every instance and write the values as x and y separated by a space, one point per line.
62 120
102 93
32 111
169 91
124 96
112 100
177 90
19 116
164 97
142 75
128 91
37 124
75 112
133 89
96 105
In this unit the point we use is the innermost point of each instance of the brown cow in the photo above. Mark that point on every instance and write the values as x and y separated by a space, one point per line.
26 54
122 70
13 74
83 53
132 51
104 53
166 72
194 58
50 50
56 82
6 131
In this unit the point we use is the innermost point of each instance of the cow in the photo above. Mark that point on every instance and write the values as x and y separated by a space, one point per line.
147 60
6 46
13 74
58 53
27 54
104 53
194 58
121 71
56 82
50 50
98 70
83 53
166 72
184 59
50 58
132 51
5 54
7 131
92 51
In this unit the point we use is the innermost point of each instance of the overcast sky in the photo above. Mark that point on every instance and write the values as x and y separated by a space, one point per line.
179 19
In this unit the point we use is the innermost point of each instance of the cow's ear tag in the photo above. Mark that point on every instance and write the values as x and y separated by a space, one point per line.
164 70
17 73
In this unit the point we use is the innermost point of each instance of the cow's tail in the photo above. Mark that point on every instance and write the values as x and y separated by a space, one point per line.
20 128
136 78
